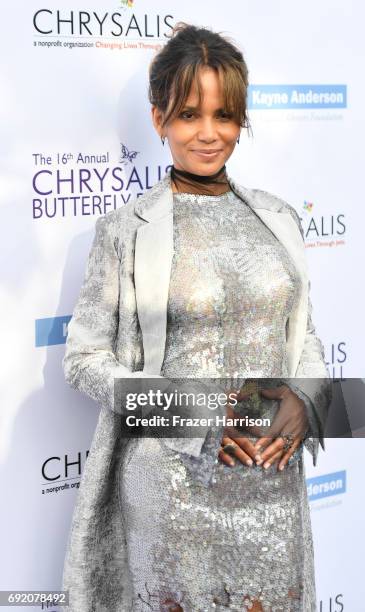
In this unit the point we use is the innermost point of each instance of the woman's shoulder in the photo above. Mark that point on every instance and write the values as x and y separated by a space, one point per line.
259 198
120 219
130 211
278 204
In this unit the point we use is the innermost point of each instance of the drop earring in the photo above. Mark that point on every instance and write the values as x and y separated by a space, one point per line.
163 140
238 140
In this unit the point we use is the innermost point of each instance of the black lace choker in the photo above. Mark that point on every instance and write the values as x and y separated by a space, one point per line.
203 179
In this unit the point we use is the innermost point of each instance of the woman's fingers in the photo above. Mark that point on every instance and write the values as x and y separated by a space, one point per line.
281 456
233 431
275 450
237 450
284 460
242 442
246 445
269 451
262 444
268 448
272 459
226 458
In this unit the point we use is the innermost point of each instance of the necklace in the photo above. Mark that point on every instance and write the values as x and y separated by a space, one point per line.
200 178
208 184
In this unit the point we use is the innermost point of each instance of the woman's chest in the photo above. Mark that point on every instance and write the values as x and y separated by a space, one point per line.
227 259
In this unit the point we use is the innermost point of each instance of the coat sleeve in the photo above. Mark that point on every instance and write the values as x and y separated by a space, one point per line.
89 363
197 446
312 382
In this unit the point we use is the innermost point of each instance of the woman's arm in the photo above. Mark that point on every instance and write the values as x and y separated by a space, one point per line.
312 383
89 363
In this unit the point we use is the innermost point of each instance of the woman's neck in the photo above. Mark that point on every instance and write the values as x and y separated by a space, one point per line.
188 182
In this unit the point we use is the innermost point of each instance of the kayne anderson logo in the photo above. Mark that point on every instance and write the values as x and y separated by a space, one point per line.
326 485
263 97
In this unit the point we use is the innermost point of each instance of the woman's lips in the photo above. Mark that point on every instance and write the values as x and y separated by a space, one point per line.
207 154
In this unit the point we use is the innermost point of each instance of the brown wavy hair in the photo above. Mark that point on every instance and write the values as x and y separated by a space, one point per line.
175 67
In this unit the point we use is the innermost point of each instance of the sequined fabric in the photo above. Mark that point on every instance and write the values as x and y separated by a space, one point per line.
244 534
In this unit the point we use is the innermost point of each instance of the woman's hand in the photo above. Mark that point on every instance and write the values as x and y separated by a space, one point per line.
290 418
244 450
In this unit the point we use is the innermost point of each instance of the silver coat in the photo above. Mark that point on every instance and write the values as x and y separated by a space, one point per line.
118 329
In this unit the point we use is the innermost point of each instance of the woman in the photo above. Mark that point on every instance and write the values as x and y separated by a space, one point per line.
198 278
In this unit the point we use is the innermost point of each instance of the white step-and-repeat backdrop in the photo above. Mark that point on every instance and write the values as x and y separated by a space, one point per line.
74 110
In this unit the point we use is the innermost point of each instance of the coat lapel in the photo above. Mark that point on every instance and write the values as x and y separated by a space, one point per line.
152 269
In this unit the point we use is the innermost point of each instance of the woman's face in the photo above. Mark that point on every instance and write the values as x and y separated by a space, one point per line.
200 139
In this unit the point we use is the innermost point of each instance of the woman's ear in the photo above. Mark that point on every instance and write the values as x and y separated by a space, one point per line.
156 119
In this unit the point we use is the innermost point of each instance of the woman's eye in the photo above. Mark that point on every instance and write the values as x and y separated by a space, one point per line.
225 115
186 115
222 115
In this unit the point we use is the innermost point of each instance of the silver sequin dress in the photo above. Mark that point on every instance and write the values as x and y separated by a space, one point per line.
245 534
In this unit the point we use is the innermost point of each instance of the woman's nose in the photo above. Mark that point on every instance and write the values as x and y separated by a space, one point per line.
207 130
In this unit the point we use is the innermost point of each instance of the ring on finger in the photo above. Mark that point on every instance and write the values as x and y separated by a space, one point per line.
229 448
288 441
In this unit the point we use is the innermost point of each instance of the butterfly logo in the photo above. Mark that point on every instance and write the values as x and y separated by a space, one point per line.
126 155
128 3
308 206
